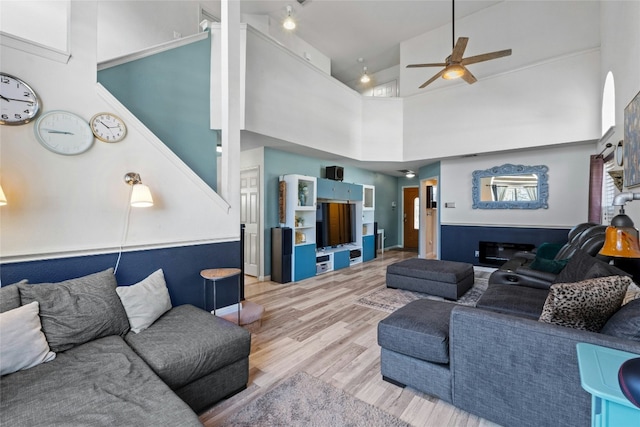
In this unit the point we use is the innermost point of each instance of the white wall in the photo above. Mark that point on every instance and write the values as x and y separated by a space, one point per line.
382 120
43 22
568 180
67 205
292 100
536 31
545 93
620 39
526 108
125 27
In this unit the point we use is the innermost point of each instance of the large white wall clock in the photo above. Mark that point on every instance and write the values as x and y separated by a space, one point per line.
63 132
20 104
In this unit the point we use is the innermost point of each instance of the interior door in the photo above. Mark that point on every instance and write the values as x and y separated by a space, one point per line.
411 214
250 217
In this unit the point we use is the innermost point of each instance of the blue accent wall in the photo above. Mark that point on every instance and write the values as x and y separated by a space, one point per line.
181 267
459 242
277 163
169 93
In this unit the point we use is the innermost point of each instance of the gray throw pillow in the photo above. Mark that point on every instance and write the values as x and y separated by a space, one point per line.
584 305
78 310
582 266
625 323
10 297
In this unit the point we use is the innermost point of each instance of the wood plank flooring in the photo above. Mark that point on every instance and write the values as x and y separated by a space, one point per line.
313 326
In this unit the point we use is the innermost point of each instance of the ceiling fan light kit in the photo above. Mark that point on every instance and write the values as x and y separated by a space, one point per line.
455 64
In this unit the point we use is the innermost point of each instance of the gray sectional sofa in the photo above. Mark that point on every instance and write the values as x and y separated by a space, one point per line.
499 361
104 374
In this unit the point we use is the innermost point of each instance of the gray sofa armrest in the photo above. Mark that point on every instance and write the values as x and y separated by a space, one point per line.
532 278
520 372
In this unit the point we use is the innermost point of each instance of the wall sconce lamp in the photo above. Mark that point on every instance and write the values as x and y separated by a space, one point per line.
140 193
621 238
3 199
289 23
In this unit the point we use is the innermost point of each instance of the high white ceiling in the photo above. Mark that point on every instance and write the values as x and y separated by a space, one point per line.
345 30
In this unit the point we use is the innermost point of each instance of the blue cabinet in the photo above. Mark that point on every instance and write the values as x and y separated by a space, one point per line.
338 190
341 260
304 262
368 248
355 192
325 188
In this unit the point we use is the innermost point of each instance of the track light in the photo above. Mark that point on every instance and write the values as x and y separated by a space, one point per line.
289 23
365 77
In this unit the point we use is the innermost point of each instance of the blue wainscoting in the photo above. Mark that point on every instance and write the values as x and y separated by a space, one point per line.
459 242
181 266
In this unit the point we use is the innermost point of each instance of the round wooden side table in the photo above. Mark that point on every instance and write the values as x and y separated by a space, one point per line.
215 274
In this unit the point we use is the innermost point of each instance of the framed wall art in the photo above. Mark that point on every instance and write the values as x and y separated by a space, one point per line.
632 143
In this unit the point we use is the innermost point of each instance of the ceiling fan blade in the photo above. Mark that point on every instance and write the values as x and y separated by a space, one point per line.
441 64
458 50
432 79
468 77
485 57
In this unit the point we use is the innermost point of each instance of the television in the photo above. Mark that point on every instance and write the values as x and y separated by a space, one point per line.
335 224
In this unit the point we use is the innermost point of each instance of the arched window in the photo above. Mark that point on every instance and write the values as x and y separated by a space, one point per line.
608 103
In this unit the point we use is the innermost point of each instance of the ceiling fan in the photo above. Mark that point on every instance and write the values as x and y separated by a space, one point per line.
455 64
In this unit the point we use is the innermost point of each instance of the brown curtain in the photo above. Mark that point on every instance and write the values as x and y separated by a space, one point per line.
596 167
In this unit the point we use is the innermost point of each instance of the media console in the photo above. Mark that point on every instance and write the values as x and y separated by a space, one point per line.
330 259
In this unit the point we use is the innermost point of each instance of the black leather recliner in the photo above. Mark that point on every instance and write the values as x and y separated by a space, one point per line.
517 271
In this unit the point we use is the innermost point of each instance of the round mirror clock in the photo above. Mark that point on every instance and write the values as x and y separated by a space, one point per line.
108 127
63 132
20 104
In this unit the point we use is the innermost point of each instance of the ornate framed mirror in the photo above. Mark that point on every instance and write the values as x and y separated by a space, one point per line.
510 187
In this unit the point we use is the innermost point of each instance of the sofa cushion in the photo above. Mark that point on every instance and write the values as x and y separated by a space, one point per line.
23 344
554 266
420 329
625 323
145 301
99 383
187 343
521 301
10 297
582 266
78 310
548 250
585 305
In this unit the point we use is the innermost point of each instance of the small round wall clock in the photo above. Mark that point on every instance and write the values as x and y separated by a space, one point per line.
108 127
20 104
63 132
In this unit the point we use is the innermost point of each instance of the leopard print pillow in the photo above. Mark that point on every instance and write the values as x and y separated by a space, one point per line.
585 305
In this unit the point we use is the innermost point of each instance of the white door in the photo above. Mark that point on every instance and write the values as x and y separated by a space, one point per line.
250 217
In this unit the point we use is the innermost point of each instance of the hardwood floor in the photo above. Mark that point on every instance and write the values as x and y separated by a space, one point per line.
313 326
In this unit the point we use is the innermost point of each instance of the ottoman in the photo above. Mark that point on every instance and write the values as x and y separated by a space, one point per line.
447 279
415 347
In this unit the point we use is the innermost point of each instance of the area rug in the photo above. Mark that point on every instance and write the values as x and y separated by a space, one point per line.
303 400
389 300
